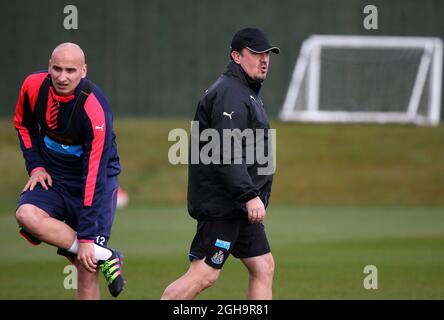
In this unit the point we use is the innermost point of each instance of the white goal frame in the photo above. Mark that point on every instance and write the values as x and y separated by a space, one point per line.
309 65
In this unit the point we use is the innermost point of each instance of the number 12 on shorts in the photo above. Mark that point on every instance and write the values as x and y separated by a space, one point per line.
100 240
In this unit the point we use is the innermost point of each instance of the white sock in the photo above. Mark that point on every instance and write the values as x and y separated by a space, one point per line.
74 247
101 253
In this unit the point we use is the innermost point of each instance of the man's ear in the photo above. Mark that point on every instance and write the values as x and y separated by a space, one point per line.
84 70
235 55
49 64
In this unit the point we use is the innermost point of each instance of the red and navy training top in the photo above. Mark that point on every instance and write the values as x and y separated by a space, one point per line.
83 168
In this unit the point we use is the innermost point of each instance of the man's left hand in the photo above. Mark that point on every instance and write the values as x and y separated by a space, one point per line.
256 210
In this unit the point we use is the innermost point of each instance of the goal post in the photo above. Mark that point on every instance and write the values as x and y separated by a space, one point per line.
366 79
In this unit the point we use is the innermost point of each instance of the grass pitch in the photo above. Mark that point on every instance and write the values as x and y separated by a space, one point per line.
344 197
320 253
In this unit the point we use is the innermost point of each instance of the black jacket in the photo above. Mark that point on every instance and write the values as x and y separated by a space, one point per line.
220 191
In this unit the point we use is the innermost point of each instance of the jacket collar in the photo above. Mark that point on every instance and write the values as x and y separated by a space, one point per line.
234 70
64 99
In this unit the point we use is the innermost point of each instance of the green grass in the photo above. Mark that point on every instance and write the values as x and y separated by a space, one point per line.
344 196
320 253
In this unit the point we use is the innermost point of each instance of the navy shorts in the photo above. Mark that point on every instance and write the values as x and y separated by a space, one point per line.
63 202
216 240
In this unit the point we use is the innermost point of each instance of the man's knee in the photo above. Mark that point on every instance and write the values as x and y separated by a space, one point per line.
28 216
263 267
24 214
205 275
209 278
86 278
269 265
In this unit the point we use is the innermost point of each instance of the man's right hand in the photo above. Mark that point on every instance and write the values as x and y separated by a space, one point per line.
86 256
256 210
38 176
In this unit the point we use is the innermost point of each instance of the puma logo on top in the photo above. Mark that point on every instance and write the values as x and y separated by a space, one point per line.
100 127
229 115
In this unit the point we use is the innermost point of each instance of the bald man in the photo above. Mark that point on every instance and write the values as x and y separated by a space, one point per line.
64 125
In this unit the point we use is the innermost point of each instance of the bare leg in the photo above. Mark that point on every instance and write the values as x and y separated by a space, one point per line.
42 226
198 277
261 270
87 284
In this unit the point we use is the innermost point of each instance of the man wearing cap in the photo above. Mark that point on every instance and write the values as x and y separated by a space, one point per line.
229 199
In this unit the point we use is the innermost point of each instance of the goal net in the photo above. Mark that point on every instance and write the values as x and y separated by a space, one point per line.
366 79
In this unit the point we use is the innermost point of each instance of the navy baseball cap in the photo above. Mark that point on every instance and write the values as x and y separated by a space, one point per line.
254 40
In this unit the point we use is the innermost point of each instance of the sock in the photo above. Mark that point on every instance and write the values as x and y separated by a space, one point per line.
74 247
101 253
